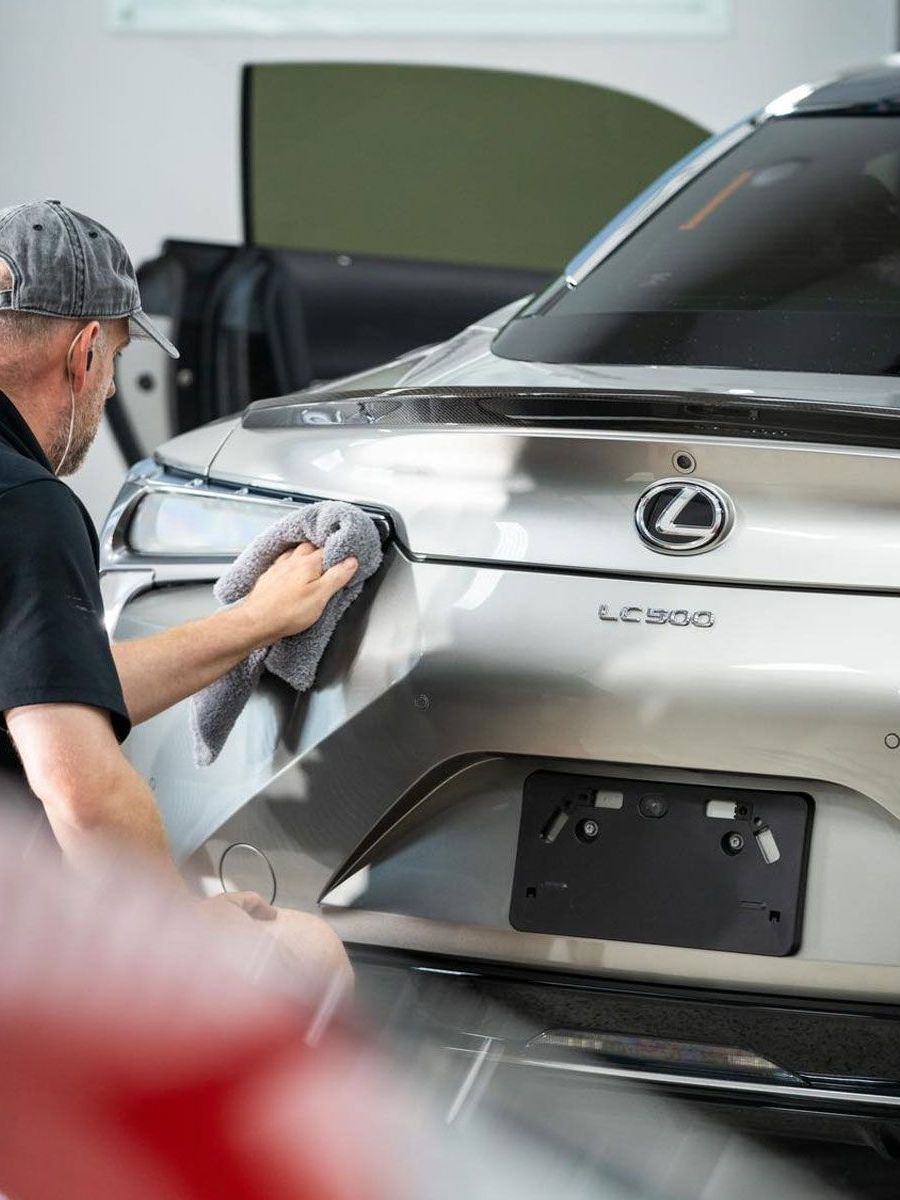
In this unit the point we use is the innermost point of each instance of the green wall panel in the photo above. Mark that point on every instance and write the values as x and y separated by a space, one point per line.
444 164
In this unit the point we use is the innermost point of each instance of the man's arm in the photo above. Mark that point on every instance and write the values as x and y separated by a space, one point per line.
158 671
91 793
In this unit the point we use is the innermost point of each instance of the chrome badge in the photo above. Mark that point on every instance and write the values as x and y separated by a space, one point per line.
677 517
631 614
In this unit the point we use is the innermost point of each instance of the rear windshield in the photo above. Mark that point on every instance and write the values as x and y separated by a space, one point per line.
784 255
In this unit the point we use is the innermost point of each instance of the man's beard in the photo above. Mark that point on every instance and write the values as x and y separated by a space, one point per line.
88 413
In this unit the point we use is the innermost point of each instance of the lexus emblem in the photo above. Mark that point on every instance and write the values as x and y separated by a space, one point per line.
677 517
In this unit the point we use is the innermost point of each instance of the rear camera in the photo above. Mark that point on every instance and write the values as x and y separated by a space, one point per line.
653 806
733 843
684 462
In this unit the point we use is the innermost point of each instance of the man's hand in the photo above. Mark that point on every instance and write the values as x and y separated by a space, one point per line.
232 910
252 904
249 902
291 595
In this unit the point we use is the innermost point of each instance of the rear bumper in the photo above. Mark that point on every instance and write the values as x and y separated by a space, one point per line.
391 792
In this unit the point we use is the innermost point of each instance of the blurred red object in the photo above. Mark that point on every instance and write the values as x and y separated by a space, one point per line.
149 1055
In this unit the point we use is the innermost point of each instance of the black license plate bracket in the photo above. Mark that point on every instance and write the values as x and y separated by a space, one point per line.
662 863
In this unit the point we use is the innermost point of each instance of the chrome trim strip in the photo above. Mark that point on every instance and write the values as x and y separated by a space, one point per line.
665 193
706 1083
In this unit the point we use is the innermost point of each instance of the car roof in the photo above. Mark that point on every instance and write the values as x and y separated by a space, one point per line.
870 90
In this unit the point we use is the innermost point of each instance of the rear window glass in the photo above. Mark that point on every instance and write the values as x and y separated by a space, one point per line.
784 255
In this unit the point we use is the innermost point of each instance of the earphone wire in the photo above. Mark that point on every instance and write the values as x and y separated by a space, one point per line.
58 466
71 430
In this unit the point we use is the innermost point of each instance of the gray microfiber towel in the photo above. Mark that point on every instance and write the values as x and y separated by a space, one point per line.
340 530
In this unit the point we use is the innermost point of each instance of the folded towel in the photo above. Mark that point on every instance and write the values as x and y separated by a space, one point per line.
341 530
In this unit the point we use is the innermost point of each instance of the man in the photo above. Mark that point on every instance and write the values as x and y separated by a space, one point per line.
69 302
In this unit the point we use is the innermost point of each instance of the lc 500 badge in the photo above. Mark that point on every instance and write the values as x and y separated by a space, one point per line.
632 615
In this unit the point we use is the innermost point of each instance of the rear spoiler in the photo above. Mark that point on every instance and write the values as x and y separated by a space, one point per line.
769 418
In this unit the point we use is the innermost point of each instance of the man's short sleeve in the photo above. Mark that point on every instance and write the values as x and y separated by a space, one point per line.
54 647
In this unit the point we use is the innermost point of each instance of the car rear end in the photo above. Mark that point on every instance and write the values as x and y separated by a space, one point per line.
603 764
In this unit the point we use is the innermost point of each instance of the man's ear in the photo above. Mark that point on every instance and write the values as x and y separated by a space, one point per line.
81 354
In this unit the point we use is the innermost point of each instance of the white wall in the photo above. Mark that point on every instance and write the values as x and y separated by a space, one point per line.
141 132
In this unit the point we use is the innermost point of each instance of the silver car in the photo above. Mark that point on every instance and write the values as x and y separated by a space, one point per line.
613 737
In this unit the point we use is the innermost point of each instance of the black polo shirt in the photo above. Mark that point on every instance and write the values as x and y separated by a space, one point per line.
53 645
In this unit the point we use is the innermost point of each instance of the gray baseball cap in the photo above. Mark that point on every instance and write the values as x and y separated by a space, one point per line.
65 264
